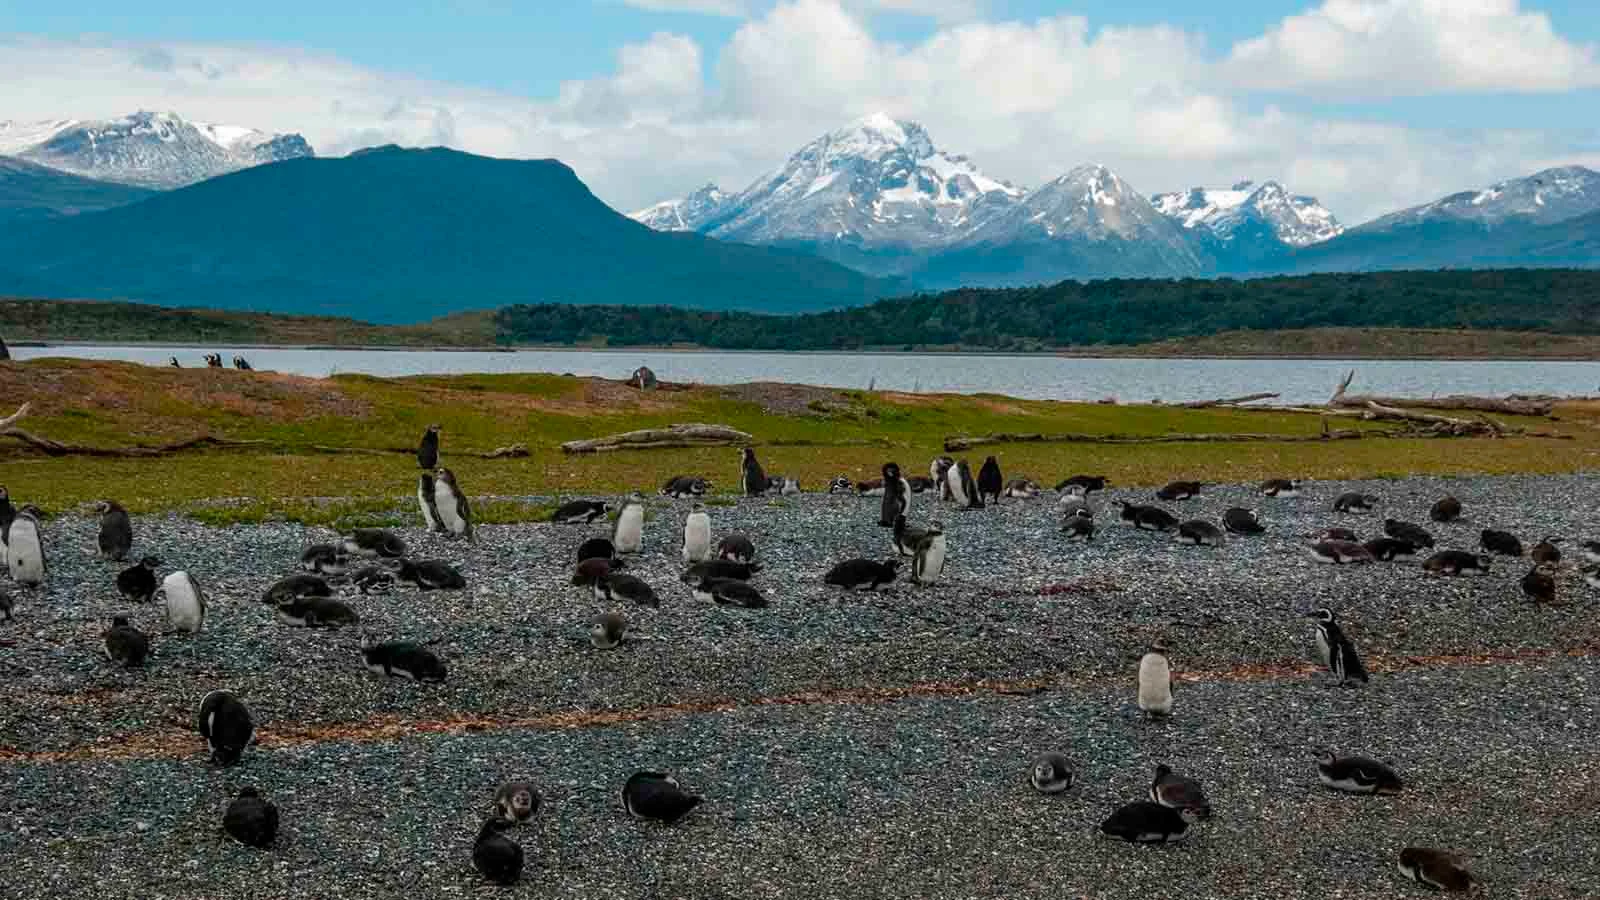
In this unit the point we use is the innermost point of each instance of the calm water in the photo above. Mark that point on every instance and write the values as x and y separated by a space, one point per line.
1042 377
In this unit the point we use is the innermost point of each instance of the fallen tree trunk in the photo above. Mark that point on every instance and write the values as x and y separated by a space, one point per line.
958 444
1228 401
689 435
1459 427
56 448
1508 406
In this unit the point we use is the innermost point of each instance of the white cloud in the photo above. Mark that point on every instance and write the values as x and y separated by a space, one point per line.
708 7
1413 47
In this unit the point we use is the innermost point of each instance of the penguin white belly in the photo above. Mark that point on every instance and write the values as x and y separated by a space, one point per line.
25 553
426 502
444 500
697 538
905 499
1155 684
932 562
956 488
1324 652
186 607
629 537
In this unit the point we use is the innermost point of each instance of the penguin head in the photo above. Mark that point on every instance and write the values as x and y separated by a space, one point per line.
1326 757
150 562
119 621
747 454
891 471
1162 771
3 494
444 475
604 507
1190 815
102 506
635 497
1321 614
433 429
935 527
697 508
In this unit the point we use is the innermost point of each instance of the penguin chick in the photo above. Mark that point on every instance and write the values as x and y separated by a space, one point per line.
325 559
293 587
1155 683
1546 551
251 819
1179 792
597 548
315 612
1456 562
656 796
607 631
627 532
372 579
125 644
732 592
496 857
517 801
1436 869
697 534
1502 542
1540 583
591 572
736 548
116 531
1388 549
927 564
431 575
580 512
1415 535
1357 775
1078 527
373 543
1022 489
1051 774
718 568
1339 552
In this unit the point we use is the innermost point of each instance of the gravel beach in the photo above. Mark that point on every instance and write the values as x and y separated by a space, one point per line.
848 745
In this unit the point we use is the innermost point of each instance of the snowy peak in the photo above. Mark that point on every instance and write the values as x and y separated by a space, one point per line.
1543 198
151 149
1089 202
1298 221
687 214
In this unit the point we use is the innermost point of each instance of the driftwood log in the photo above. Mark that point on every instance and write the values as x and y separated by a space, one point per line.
689 435
1228 401
958 444
1507 406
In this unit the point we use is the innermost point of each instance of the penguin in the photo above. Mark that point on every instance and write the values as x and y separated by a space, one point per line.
1447 509
627 534
596 548
1078 527
251 819
1389 549
591 572
872 487
125 644
173 362
786 486
1357 775
580 512
116 531
227 726
517 801
25 550
1591 577
906 537
373 543
1591 551
970 498
1337 534
1456 562
731 592
292 587
315 612
608 631
1021 489
428 449
955 489
682 486
1546 552
1540 583
751 476
1436 869
454 511
1178 792
1502 542
1154 518
325 559
1074 502
990 482
719 568
656 796
939 473
1339 553
1280 488
1155 683
431 575
617 587
496 857
841 485
372 580
8 514
862 574
137 584
1089 483
928 562
1145 822
1200 533
736 548
1238 520
214 360
7 604
920 484
1336 650
185 602
697 534
427 494
1051 774
896 496
242 364
1415 535
1354 502
405 659
1179 490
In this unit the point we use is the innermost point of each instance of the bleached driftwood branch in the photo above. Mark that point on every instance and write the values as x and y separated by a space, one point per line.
689 435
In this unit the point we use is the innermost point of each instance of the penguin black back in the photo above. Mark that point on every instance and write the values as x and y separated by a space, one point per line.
1239 520
251 819
656 796
116 530
227 726
125 644
428 449
1148 822
596 548
405 659
1447 509
896 496
496 857
138 583
1413 534
862 574
751 475
990 481
1502 542
1179 490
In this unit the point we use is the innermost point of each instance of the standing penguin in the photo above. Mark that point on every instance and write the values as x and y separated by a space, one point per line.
25 550
251 819
426 490
125 644
116 530
990 482
185 602
227 726
1155 682
697 534
428 449
454 511
896 495
496 857
1337 651
751 477
137 584
928 563
627 534
939 473
969 497
657 796
8 514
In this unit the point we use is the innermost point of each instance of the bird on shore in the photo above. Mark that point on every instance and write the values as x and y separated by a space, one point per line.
1339 552
428 502
137 584
736 548
1540 583
620 586
1456 562
657 796
627 533
372 579
896 496
517 801
679 487
227 726
752 478
428 449
251 819
1281 488
608 630
1051 774
25 556
431 575
862 574
597 548
1178 490
697 534
927 562
1388 549
1147 822
1502 542
125 645
580 512
1336 650
1437 869
1411 533
292 587
1089 483
1200 533
1079 526
185 602
1022 489
841 485
732 592
1152 518
404 659
939 472
455 513
373 543
1354 501
116 531
1447 509
496 857
1179 792
969 497
1357 775
315 612
1238 520
1546 552
1155 682
990 482
325 559
1073 501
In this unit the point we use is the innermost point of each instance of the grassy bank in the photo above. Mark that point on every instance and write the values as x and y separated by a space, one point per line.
814 434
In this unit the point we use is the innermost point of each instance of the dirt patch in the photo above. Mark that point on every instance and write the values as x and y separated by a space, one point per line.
793 399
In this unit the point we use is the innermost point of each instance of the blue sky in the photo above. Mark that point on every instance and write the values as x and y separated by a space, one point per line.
1369 103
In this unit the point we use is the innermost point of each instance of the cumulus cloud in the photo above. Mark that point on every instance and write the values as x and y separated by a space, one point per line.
1392 47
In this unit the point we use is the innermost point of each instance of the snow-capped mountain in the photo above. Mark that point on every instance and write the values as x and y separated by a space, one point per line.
1297 221
160 150
687 214
1543 198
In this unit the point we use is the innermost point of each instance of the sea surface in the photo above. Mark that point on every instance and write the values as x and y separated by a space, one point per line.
1035 376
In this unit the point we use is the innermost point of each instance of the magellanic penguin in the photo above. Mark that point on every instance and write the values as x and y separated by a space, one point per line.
25 550
862 574
226 725
990 482
325 559
373 543
627 534
1540 583
1179 490
736 548
1354 501
1155 682
731 592
1591 576
454 511
1437 869
591 572
431 575
1546 552
939 470
1357 775
1022 489
315 612
608 630
517 801
580 512
1146 822
927 564
301 584
405 659
496 857
1591 552
968 498
1336 650
1238 520
1200 533
1072 502
751 476
8 514
1051 774
1153 518
137 584
697 534
1281 488
1388 549
841 485
1339 552
1079 526
1089 483
251 819
1179 792
1456 562
185 602
428 449
718 568
906 537
621 586
1337 534
597 548
116 531
7 604
1413 534
680 486
896 496
656 796
1448 509
124 644
372 579
427 501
